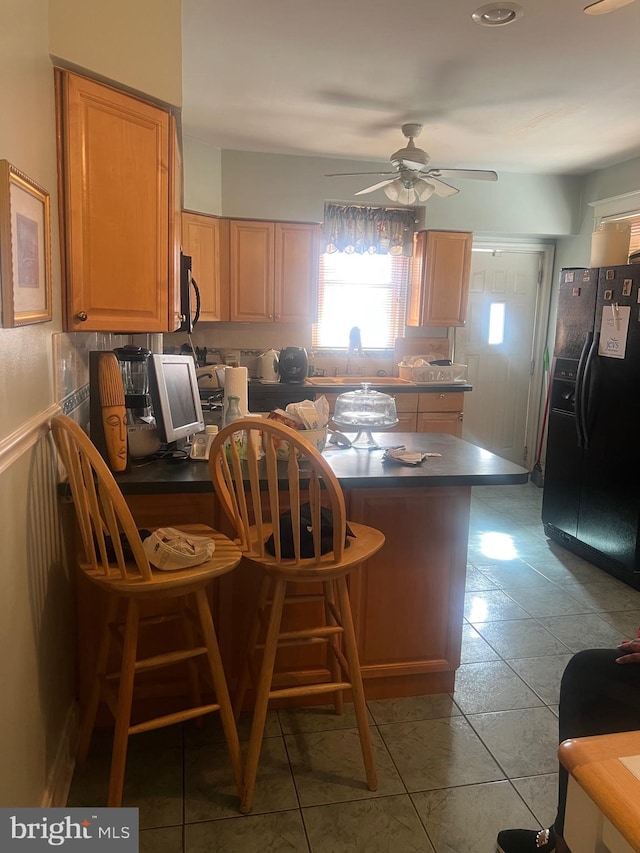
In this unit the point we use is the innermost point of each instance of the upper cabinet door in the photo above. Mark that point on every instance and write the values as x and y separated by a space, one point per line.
251 271
206 239
175 228
297 248
116 186
439 286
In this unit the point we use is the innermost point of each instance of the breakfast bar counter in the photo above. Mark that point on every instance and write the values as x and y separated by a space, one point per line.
407 599
459 464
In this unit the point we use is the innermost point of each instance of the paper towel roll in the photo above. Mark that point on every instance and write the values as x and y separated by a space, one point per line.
235 384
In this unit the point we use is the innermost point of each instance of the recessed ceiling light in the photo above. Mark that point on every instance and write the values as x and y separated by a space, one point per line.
497 14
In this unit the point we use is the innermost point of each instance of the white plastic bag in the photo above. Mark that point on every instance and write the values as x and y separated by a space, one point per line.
170 549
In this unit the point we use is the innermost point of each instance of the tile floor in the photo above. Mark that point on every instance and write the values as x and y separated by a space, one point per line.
452 770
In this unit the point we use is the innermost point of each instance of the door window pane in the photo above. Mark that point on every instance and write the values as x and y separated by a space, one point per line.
496 323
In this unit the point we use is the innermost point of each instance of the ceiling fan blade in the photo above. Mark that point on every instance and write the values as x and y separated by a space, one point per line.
601 7
376 186
441 188
475 174
356 174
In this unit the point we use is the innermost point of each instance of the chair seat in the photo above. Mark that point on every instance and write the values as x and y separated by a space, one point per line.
367 541
171 582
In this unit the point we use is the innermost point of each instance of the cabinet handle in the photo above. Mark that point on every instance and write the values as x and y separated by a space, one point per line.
81 316
460 416
441 396
277 316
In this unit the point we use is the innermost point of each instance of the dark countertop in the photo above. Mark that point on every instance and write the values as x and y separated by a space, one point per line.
271 395
461 464
332 387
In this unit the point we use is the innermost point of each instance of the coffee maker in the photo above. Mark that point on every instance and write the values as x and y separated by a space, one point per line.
142 434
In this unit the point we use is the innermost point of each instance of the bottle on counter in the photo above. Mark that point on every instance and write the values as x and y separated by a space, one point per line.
202 442
233 412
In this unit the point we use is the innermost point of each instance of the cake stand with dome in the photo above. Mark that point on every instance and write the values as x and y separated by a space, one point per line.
365 410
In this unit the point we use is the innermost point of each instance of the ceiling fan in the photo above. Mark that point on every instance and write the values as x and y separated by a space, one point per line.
412 178
601 7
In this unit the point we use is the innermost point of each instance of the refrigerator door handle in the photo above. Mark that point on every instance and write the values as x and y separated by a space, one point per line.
580 426
584 396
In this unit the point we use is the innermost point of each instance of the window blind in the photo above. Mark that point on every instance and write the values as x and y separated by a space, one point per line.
634 220
368 291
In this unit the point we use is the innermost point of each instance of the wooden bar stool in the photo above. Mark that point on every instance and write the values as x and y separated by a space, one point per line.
254 488
114 560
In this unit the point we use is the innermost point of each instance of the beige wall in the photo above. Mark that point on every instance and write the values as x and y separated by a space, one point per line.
137 43
35 606
202 176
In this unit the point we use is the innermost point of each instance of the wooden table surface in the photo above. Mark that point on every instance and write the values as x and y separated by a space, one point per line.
594 762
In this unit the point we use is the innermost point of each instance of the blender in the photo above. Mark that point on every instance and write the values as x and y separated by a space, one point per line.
142 434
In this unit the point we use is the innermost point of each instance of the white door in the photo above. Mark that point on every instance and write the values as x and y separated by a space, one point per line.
497 344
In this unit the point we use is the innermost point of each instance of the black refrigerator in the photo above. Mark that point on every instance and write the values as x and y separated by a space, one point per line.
591 498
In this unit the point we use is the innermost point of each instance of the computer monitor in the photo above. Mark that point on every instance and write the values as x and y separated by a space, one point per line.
175 396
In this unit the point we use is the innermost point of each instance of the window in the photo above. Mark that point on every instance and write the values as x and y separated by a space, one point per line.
368 291
634 220
496 323
634 244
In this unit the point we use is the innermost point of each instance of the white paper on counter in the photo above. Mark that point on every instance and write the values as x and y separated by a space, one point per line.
614 330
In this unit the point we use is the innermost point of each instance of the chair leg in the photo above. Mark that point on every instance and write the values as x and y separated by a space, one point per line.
192 668
100 668
249 649
334 663
220 685
123 707
262 695
355 677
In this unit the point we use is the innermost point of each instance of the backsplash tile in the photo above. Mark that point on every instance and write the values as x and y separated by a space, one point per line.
71 363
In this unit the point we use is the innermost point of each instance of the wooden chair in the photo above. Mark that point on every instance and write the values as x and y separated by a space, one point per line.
114 560
253 487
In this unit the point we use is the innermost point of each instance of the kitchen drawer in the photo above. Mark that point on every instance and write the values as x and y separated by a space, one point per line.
406 402
441 401
449 423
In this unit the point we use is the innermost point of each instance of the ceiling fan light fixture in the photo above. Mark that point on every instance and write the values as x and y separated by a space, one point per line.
392 190
401 192
423 189
407 195
497 14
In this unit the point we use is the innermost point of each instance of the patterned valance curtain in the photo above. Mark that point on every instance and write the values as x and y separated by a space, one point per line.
356 228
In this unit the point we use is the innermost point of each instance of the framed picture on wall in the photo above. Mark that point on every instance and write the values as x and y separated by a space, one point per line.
25 249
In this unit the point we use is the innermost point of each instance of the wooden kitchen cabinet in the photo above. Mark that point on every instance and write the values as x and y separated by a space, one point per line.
439 283
206 239
273 271
441 412
120 184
